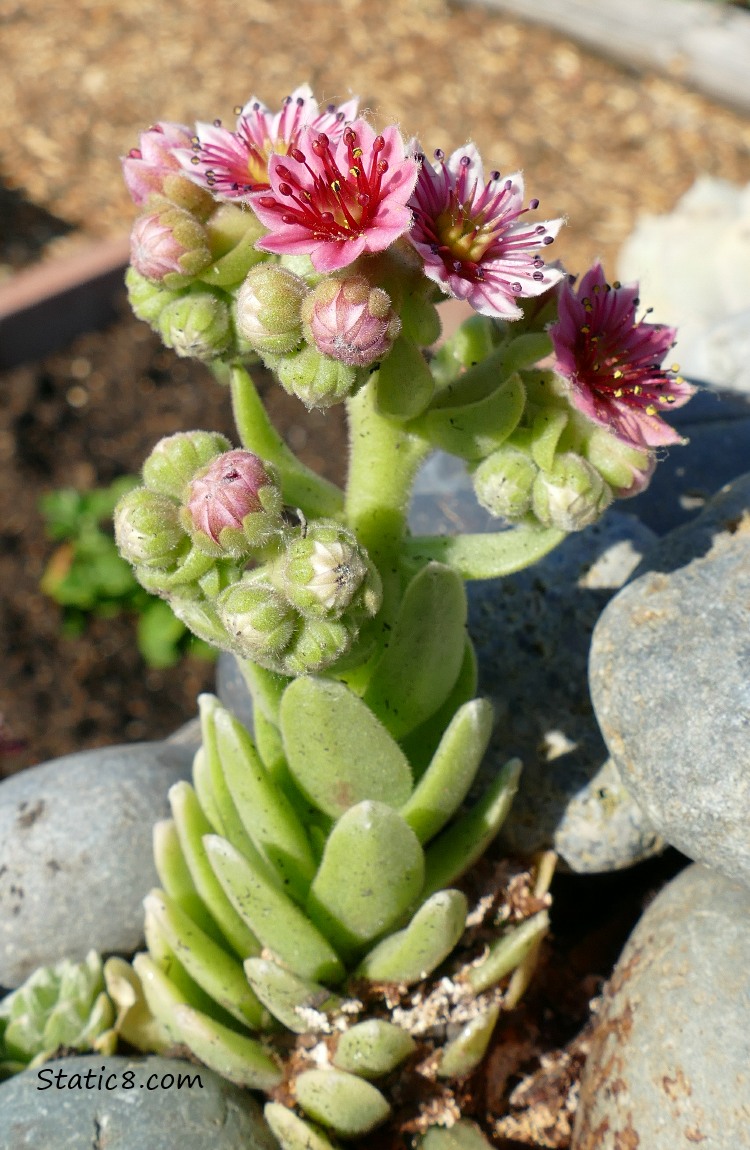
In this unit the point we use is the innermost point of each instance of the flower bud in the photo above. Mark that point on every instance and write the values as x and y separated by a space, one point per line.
316 379
627 470
147 529
146 167
503 482
169 246
258 620
571 495
319 644
175 459
232 505
268 309
196 324
350 321
326 572
147 298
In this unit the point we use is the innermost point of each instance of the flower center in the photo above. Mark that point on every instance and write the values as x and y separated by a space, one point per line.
332 204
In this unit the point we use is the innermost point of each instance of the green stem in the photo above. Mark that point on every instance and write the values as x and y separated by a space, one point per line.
300 486
383 462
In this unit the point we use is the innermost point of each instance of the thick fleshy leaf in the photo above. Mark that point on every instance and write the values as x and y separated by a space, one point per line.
213 785
291 999
404 385
278 922
468 1048
446 782
424 655
486 556
176 880
292 1132
265 811
162 996
483 378
342 1102
420 745
413 953
475 430
219 975
373 1048
463 1136
466 840
338 752
192 825
371 871
509 951
242 1060
548 426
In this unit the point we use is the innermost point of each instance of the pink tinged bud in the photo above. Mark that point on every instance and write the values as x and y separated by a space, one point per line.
168 246
233 505
350 321
145 168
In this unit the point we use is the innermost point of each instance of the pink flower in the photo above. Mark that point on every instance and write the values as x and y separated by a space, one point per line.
232 164
145 167
471 236
336 201
612 361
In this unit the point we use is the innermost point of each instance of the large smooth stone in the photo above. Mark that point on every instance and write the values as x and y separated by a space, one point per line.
670 681
75 853
669 1065
155 1114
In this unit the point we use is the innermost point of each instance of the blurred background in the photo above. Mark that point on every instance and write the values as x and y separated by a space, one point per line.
597 143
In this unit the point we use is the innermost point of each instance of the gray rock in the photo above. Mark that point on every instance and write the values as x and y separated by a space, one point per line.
670 680
669 1065
156 1114
232 689
75 853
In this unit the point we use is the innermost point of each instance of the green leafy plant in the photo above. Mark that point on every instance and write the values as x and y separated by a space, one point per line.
87 575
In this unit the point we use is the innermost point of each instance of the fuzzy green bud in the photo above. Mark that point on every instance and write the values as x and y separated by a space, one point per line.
319 644
259 621
196 325
626 469
326 572
316 379
232 505
268 309
147 298
175 460
147 529
571 495
58 1006
169 245
503 482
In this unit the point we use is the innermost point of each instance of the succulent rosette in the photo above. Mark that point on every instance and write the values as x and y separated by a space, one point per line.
473 238
335 201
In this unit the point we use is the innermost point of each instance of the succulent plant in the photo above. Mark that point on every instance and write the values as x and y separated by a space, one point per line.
309 938
61 1006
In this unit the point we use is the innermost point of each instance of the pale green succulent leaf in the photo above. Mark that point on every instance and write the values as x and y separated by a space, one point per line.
457 848
372 870
134 1022
445 784
392 398
203 789
421 663
294 1001
266 813
548 426
161 995
242 1060
293 1132
191 826
339 753
464 1053
463 1136
474 430
373 1048
421 744
277 921
509 951
220 976
411 954
176 879
483 378
486 556
341 1102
